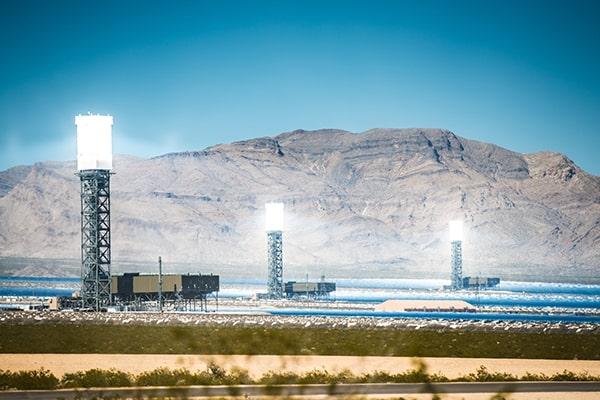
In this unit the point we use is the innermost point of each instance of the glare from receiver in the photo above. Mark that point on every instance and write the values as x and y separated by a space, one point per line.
94 142
456 230
273 217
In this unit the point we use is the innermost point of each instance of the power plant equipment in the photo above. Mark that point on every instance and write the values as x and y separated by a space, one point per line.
94 165
184 289
479 282
274 229
310 290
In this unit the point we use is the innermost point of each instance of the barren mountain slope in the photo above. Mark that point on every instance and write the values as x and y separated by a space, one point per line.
369 204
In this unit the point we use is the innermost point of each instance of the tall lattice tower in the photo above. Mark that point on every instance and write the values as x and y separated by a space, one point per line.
274 228
94 163
456 239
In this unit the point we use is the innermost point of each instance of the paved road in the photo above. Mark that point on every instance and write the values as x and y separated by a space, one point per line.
288 390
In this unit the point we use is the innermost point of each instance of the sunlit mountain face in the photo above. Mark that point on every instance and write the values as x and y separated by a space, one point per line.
371 204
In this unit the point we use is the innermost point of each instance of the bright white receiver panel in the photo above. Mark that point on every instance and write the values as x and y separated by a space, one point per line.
456 230
274 217
94 141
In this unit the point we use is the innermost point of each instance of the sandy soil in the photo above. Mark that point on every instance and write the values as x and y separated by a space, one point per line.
486 396
259 365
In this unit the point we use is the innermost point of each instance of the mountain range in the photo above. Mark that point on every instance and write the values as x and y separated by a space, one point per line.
370 204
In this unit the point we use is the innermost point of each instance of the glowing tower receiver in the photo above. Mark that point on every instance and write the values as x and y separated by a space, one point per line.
94 162
456 238
94 142
274 228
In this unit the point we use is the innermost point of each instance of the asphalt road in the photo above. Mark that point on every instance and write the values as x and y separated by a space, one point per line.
288 390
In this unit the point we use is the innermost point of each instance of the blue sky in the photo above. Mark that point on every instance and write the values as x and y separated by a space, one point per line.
181 75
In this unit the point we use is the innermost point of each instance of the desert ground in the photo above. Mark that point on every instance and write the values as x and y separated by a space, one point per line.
482 396
258 365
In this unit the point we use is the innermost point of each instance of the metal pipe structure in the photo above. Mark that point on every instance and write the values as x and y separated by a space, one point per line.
456 238
94 162
274 228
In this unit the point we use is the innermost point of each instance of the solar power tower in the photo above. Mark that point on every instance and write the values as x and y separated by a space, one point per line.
274 228
456 239
94 163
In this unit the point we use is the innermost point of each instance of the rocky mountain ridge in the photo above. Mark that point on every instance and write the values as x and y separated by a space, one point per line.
370 204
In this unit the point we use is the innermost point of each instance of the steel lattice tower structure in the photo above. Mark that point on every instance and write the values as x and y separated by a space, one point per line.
274 228
456 260
456 239
275 263
94 162
95 238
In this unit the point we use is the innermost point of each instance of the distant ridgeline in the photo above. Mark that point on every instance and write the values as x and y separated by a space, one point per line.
374 204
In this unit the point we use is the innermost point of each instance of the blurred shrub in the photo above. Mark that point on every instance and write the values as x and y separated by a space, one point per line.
483 375
573 376
216 375
96 378
28 380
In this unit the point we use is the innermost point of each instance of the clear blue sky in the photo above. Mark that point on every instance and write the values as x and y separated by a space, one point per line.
181 75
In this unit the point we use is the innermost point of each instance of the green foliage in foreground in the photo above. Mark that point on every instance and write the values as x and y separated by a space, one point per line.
146 339
31 380
214 375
